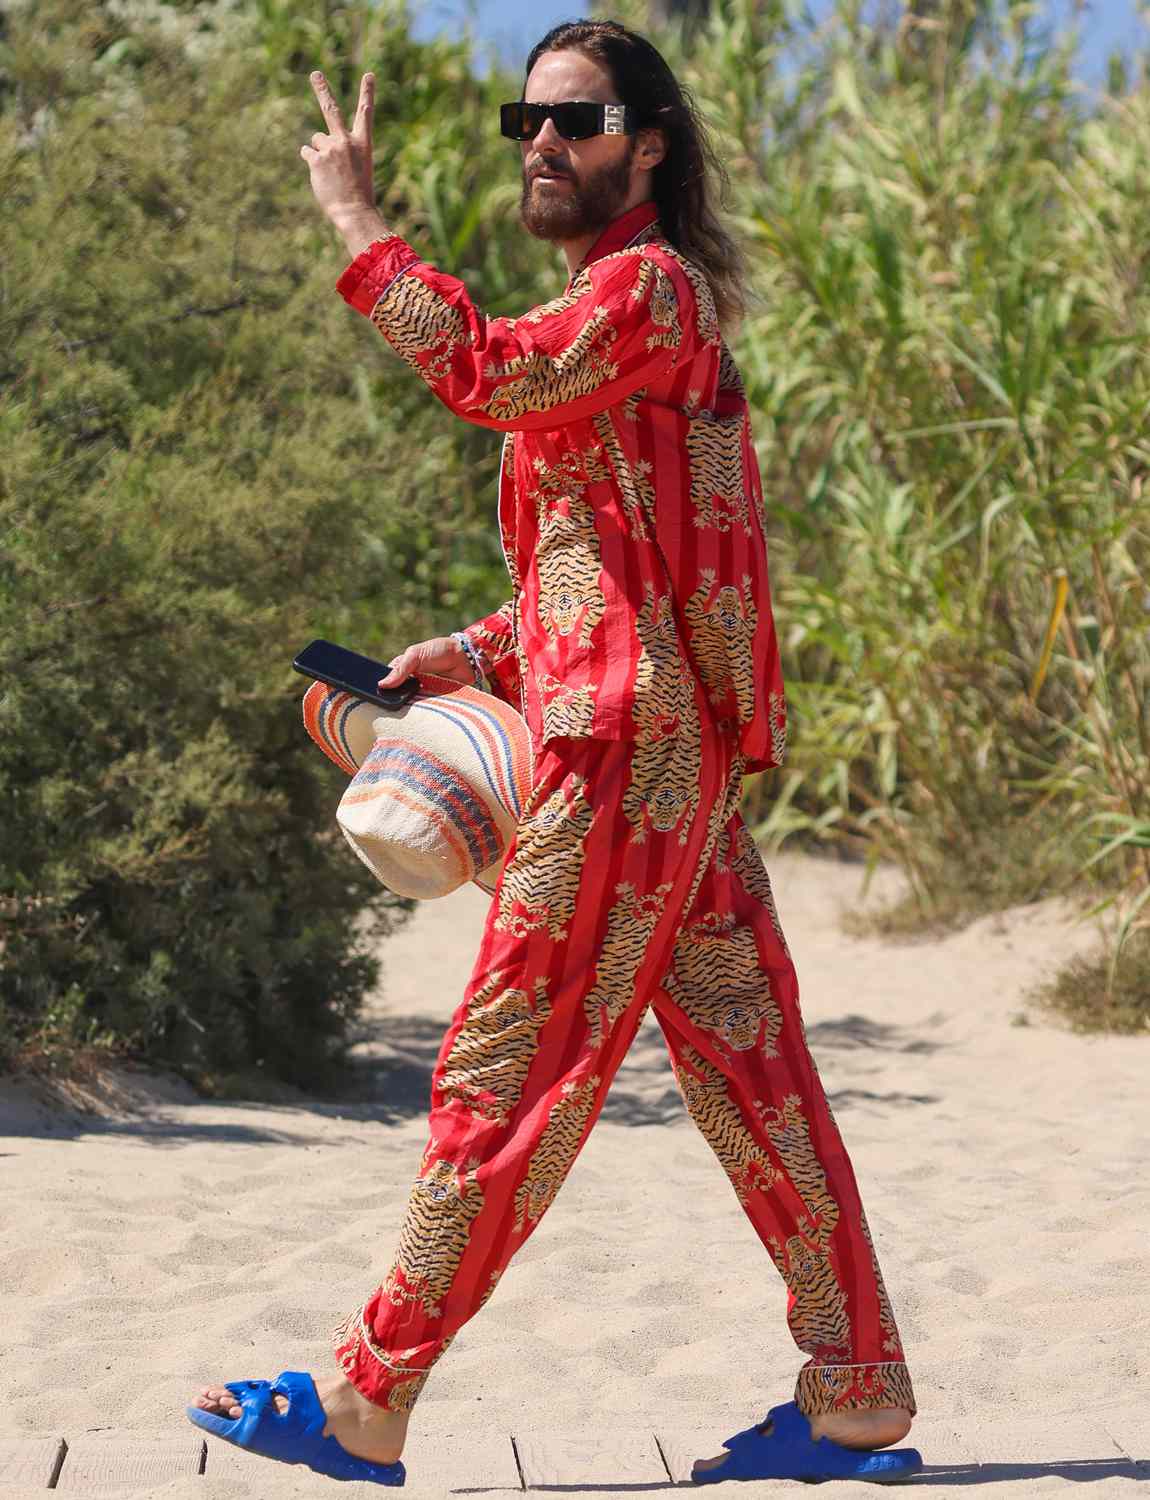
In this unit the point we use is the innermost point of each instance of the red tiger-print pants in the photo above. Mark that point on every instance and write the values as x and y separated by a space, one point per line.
632 882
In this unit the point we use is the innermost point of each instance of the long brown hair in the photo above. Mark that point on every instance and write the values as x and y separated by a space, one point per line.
690 181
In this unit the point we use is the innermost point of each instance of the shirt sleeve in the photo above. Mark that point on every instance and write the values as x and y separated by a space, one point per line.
493 640
625 320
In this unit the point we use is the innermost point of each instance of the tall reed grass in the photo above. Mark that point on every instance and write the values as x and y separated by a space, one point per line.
949 366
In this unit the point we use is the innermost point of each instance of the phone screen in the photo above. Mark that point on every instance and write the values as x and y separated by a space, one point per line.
339 667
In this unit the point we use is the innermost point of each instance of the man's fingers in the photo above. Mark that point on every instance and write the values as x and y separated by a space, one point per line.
328 107
366 106
397 672
361 132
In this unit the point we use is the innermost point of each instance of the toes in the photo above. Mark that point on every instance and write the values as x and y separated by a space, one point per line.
709 1463
220 1401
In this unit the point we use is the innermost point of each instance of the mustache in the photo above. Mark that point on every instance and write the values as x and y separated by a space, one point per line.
546 169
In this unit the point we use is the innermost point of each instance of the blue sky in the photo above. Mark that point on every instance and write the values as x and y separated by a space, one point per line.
513 26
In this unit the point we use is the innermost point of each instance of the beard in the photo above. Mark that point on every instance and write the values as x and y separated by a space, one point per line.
585 207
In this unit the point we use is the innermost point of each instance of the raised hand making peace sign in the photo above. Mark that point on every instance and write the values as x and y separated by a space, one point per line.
340 164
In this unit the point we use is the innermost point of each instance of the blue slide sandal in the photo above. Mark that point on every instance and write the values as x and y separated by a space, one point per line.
294 1436
782 1448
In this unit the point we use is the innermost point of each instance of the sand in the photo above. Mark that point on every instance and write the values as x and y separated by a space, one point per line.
166 1241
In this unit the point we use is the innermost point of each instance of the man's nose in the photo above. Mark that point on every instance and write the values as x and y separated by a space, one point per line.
548 140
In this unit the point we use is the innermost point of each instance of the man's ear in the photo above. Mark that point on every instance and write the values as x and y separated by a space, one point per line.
650 148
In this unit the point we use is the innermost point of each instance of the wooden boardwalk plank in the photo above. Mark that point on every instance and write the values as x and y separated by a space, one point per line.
590 1461
128 1460
438 1462
682 1446
1069 1447
30 1461
1052 1440
1129 1426
479 1460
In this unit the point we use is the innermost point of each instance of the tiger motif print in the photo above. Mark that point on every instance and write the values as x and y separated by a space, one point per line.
789 1132
539 884
663 791
654 284
777 709
708 318
693 404
826 1388
719 491
569 475
730 380
538 382
723 810
710 1105
722 628
661 681
751 872
725 849
818 1317
436 1230
421 326
354 1334
567 560
558 1146
404 1395
891 1343
579 289
566 710
635 485
718 982
489 1059
631 923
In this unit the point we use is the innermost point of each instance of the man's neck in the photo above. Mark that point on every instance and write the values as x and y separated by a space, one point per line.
577 251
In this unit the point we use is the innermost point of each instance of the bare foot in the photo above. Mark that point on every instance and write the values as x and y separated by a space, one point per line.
364 1429
852 1429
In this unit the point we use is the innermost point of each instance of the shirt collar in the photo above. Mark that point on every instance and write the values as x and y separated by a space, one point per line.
620 233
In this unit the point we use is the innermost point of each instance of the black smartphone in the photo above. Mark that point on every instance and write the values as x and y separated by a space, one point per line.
341 668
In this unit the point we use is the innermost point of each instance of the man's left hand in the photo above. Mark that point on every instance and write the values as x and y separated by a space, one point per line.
340 162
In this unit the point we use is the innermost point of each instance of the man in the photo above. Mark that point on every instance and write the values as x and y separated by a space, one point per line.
639 645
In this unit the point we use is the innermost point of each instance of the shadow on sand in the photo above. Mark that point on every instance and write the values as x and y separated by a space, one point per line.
388 1076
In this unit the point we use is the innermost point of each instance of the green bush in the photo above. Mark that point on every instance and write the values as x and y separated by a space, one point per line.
207 460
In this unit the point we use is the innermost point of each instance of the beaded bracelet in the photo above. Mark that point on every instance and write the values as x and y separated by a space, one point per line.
472 656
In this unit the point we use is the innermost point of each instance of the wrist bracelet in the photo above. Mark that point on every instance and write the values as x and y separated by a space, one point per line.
472 656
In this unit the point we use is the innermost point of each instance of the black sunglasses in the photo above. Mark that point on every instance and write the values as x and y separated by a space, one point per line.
575 119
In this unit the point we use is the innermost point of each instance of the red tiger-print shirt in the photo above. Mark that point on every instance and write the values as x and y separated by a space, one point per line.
630 505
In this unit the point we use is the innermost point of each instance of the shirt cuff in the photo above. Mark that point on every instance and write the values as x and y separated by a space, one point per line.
372 272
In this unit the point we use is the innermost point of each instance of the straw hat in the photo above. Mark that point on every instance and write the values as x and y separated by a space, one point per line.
437 787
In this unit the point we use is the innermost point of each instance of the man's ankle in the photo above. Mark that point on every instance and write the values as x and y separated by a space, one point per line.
875 1427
